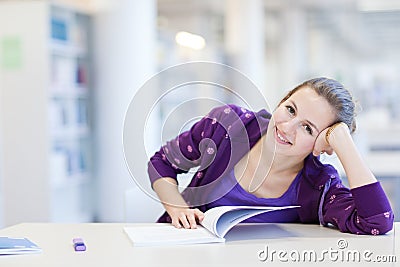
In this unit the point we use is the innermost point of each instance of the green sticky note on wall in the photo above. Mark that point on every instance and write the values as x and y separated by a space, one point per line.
11 52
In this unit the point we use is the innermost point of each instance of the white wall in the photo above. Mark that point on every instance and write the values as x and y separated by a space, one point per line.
124 39
24 129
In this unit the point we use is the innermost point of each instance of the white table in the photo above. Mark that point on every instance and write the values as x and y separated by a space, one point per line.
108 245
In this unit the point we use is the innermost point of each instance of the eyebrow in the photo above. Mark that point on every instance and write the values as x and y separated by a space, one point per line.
312 124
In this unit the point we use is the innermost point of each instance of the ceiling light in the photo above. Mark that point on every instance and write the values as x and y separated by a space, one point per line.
190 40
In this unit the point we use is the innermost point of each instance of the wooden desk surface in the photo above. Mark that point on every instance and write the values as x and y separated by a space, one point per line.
263 245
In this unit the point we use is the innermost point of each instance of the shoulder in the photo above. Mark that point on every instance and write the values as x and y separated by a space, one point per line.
233 109
230 113
237 123
227 110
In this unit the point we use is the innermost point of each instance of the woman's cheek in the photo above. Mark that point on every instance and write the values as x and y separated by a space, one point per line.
308 144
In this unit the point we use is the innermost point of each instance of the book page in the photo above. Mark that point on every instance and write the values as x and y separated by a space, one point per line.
220 220
211 217
167 234
233 217
216 223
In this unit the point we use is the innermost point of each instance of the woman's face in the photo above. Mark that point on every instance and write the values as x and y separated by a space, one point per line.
298 121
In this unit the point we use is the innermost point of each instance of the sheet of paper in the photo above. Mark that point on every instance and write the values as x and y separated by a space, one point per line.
166 234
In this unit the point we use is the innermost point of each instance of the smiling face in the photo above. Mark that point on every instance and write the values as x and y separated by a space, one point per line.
297 122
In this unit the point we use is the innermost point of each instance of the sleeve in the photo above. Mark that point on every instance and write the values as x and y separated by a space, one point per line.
361 210
192 148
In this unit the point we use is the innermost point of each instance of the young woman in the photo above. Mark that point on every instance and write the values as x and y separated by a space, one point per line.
257 158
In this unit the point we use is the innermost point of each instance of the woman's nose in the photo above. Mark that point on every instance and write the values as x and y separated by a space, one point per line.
290 125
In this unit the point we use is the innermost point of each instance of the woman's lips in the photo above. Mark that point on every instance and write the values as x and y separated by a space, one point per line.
281 138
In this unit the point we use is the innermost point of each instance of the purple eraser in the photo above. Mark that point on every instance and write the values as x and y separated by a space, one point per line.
79 245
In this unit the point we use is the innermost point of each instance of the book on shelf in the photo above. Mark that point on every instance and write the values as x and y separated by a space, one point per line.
13 246
213 228
59 29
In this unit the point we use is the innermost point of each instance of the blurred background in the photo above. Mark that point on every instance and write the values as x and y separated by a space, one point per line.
69 69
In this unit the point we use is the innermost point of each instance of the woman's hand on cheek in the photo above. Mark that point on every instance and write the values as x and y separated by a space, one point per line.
321 146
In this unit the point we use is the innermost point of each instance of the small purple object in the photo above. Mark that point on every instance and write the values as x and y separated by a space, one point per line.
79 245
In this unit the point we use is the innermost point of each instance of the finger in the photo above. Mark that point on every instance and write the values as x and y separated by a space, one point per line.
316 153
329 151
176 223
184 221
199 214
192 220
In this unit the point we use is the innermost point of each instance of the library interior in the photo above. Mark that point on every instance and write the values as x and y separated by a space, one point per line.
70 69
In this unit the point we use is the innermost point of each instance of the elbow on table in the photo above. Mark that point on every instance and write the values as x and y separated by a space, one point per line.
384 226
377 225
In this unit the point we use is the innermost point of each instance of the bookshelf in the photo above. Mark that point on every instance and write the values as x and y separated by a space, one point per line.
69 119
50 71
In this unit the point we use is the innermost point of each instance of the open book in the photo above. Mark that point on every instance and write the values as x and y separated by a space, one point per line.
216 223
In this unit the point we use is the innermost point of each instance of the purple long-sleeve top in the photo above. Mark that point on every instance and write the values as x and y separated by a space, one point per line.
219 140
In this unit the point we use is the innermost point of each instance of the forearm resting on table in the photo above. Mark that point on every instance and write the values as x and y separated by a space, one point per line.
357 171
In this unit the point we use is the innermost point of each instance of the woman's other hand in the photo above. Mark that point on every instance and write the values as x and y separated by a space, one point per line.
185 217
